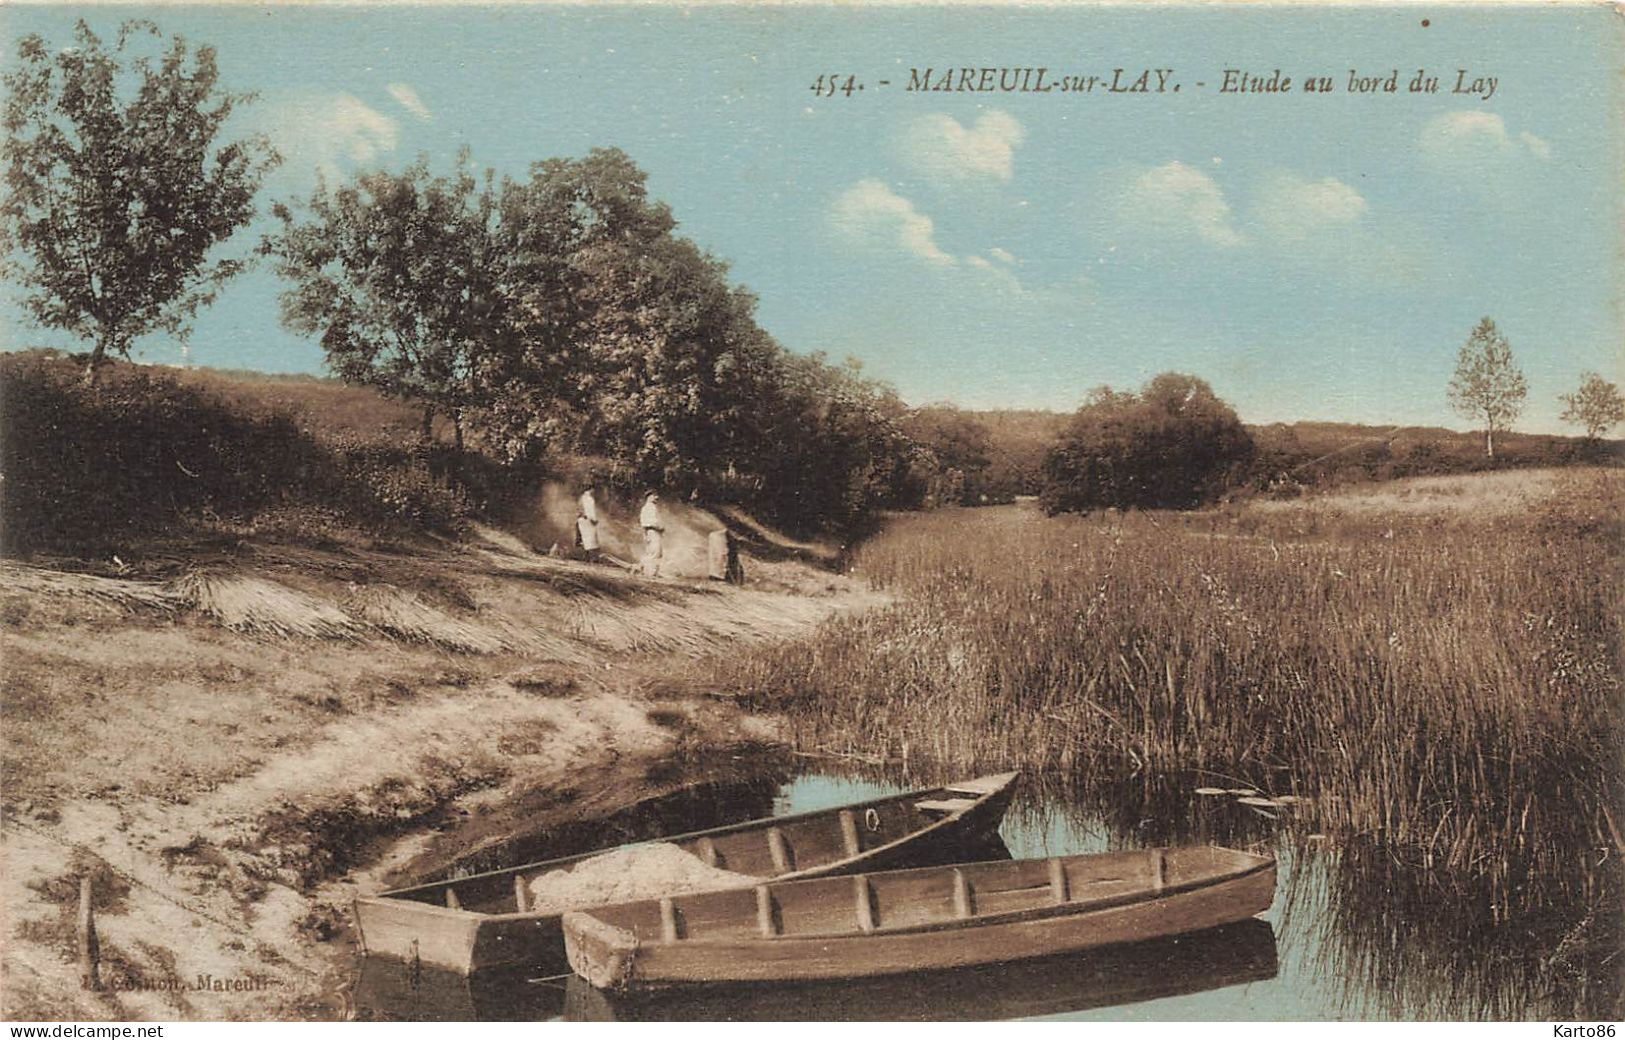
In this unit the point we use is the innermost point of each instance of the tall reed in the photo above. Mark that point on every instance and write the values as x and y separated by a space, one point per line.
1449 688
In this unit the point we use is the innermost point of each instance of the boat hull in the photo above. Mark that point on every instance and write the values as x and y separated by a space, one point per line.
1230 955
612 957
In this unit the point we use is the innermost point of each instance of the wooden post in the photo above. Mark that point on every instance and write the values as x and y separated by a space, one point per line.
519 893
963 904
668 919
452 903
863 896
1057 881
849 833
780 851
89 948
764 913
1159 870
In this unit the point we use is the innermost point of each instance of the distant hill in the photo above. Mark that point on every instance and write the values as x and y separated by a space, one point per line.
1312 454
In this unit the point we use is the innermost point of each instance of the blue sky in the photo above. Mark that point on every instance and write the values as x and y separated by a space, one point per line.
1312 256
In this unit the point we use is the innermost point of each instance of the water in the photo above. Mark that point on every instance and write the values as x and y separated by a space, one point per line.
1352 934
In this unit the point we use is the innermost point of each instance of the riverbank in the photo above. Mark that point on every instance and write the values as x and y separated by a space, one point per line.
233 739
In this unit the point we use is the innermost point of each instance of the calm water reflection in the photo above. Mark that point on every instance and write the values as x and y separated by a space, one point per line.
1352 935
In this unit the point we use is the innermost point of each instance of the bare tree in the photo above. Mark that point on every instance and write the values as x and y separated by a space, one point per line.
113 203
1595 406
1488 385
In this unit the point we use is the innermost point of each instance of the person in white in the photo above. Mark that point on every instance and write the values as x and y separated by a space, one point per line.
649 518
587 522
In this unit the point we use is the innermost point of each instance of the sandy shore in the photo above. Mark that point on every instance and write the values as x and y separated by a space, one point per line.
235 740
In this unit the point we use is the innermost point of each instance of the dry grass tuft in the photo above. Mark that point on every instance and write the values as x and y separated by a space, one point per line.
118 591
259 606
405 616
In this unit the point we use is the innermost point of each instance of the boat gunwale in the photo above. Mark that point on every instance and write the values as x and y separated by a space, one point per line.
1035 913
397 896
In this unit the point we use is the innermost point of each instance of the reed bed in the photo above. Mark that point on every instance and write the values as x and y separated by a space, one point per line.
1449 688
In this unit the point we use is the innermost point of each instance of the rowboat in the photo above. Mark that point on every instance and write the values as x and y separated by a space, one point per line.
491 919
928 919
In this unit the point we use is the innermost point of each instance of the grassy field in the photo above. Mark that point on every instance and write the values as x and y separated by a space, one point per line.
1444 681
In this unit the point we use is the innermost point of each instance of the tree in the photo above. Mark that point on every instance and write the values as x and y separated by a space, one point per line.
625 340
1596 406
1174 445
118 187
1488 385
955 452
400 277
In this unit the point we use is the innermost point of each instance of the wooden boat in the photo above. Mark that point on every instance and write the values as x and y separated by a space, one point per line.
483 921
1131 973
916 920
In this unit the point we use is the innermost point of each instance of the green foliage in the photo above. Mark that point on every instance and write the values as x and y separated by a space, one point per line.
834 447
955 452
1596 406
562 314
397 275
1174 445
1488 386
118 187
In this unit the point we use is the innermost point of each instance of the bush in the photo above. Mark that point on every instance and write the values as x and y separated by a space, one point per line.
87 468
1174 445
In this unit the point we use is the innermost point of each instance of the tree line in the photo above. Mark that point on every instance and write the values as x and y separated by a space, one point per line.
557 312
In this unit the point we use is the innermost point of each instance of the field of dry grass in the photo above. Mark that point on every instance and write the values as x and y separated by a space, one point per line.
1507 494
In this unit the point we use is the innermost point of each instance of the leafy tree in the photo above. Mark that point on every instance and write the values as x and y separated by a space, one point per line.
626 339
955 452
831 444
1596 406
118 186
574 223
1488 385
399 274
1173 445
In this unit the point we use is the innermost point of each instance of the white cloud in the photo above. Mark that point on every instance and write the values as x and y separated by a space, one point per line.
1470 136
327 132
355 130
1537 147
942 149
1001 255
1293 208
1178 199
409 100
872 213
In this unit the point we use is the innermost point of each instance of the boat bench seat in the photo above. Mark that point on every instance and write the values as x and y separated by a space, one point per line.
944 805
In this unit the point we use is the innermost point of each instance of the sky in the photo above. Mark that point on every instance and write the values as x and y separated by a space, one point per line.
1313 256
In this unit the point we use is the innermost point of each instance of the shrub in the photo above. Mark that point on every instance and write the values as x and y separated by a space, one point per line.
87 468
1174 445
86 464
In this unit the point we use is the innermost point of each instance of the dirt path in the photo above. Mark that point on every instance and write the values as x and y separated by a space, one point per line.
233 745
